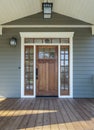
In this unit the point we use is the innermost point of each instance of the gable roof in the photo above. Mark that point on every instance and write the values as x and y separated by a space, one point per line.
15 9
57 19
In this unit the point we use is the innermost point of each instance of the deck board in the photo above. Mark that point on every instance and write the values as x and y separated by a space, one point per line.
5 112
46 114
27 116
83 113
78 116
71 113
60 118
32 120
66 117
39 119
54 123
11 118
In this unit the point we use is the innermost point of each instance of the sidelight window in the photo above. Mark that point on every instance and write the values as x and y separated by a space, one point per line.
28 68
64 70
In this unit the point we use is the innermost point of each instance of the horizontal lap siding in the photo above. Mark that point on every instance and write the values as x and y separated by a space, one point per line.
83 61
83 66
9 71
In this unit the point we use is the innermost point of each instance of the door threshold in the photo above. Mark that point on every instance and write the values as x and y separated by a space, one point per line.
46 96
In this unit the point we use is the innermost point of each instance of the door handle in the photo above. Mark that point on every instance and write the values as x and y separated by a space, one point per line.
36 73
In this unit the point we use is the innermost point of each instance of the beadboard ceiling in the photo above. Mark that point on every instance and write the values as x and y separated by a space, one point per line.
14 9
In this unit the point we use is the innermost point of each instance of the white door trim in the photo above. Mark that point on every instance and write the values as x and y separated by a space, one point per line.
46 35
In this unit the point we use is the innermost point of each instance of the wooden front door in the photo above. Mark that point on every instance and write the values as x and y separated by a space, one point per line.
47 70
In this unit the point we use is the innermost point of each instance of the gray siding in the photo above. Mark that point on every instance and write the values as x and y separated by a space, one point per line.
83 68
9 72
83 61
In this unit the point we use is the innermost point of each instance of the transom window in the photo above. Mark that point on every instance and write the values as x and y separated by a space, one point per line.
46 40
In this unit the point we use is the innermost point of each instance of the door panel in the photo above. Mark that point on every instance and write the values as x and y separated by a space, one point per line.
47 82
42 73
51 77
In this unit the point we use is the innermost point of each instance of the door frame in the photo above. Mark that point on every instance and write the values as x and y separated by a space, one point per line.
47 35
56 61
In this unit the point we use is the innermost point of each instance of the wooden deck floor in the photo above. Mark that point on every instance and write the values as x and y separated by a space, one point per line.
47 114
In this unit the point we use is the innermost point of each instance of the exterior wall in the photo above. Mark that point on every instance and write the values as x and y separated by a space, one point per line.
9 72
83 62
83 66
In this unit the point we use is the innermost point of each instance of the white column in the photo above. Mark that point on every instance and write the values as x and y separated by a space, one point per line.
58 70
34 71
71 67
22 67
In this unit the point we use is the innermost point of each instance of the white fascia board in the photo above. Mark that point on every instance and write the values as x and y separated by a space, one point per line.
93 30
46 26
0 30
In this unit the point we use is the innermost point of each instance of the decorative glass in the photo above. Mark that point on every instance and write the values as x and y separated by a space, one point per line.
37 40
29 61
64 40
46 53
64 70
55 40
28 40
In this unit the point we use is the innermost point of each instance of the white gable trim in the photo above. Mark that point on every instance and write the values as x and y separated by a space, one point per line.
46 26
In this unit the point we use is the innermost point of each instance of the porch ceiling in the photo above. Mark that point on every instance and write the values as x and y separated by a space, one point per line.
14 9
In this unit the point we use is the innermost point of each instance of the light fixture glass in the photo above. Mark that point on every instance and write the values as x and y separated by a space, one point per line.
13 41
47 9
